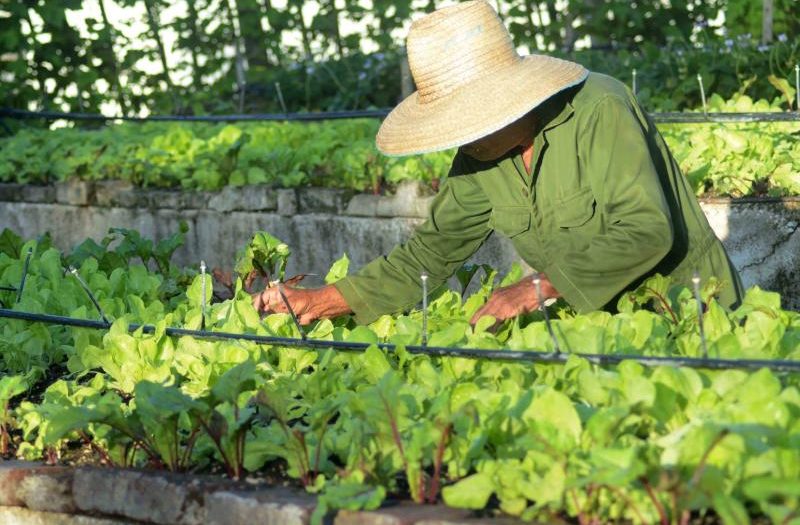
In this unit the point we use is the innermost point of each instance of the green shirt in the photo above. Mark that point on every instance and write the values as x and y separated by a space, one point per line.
605 207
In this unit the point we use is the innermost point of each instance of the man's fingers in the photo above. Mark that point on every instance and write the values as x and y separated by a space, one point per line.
306 319
487 309
269 301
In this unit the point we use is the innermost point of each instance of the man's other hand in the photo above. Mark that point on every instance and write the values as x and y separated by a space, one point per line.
309 304
511 301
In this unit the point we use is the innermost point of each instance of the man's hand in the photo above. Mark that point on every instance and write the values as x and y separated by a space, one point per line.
309 304
514 300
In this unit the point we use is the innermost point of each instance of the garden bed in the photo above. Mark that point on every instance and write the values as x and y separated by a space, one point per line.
597 417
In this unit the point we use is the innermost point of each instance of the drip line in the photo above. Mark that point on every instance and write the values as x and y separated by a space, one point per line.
679 117
530 356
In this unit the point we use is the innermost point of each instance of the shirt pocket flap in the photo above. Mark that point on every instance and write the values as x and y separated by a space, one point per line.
511 220
575 209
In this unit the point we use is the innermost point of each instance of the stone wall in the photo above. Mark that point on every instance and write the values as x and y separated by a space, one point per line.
761 235
35 494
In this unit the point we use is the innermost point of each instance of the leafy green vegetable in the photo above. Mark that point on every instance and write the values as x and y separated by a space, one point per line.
623 443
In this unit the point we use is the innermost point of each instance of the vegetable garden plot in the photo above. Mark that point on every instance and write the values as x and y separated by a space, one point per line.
546 441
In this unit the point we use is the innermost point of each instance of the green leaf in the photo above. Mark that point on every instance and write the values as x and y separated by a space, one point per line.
265 254
555 409
730 510
362 334
234 381
338 270
769 488
11 386
471 492
350 495
375 363
155 401
10 244
782 85
195 291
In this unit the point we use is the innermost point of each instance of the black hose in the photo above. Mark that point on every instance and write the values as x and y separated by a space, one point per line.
534 356
663 118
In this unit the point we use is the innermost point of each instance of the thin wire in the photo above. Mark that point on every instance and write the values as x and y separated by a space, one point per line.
88 291
317 116
797 88
280 98
203 282
699 300
702 93
537 284
534 356
291 311
424 278
24 274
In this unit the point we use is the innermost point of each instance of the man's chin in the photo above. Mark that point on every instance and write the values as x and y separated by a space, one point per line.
486 156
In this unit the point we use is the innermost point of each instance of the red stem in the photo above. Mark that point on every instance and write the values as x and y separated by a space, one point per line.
395 431
301 441
189 447
437 464
698 472
789 517
578 509
97 449
664 303
628 501
221 449
659 507
3 440
318 453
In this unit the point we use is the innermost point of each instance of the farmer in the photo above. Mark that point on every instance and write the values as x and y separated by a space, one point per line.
562 161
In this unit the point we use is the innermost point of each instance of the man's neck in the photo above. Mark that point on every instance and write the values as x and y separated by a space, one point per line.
527 154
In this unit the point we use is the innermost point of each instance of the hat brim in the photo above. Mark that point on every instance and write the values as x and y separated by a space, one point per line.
477 109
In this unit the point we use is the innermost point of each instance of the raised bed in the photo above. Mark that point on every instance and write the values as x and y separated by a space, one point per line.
33 494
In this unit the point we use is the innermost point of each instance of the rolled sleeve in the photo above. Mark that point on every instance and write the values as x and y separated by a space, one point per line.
457 225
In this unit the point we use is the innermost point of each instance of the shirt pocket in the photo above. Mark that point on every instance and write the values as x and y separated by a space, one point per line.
511 220
575 210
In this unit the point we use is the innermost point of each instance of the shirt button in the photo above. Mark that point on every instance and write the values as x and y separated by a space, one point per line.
525 192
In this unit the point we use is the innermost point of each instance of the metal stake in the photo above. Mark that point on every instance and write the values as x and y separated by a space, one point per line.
280 98
291 311
24 274
203 307
797 87
88 291
633 84
702 92
424 277
537 283
696 285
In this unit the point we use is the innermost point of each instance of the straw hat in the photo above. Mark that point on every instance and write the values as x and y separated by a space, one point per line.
470 81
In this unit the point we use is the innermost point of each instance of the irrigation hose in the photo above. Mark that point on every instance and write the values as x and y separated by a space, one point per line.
679 117
531 356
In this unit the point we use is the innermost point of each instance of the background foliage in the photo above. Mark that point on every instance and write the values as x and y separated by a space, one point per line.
718 159
222 56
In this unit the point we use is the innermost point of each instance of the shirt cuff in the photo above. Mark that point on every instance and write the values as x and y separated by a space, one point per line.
358 303
567 289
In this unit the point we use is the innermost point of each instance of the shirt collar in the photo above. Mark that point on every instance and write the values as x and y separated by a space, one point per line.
555 111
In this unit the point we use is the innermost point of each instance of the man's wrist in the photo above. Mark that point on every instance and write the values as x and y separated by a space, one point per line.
332 303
